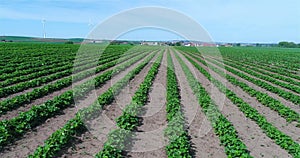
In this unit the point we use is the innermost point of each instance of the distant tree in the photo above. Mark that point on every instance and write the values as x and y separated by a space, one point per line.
238 44
287 44
69 42
178 44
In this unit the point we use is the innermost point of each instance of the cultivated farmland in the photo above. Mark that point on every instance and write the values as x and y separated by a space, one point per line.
148 101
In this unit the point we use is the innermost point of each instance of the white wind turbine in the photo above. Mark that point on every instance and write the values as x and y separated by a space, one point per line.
44 31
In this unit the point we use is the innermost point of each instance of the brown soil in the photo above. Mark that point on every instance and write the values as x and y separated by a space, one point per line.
26 107
273 95
265 71
249 132
91 142
272 116
275 67
51 82
149 140
285 89
31 89
204 141
36 137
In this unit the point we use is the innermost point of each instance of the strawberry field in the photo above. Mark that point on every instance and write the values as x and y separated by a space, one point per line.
148 101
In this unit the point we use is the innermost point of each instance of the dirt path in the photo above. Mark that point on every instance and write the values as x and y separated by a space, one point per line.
26 107
149 140
250 133
91 142
36 137
204 141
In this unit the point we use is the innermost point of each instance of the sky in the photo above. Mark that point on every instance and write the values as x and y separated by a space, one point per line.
255 21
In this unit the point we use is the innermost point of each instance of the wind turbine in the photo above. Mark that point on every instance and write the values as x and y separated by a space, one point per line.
44 31
91 23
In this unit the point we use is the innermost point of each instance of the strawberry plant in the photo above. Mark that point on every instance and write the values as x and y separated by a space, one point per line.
228 136
263 98
128 121
54 143
52 107
179 145
283 140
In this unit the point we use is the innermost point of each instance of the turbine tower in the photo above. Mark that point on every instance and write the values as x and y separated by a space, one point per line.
44 31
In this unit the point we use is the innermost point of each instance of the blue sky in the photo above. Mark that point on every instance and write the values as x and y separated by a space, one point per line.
226 20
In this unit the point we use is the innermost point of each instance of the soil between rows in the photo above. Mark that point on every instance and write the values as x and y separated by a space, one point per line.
272 116
30 89
149 140
249 132
273 95
36 137
250 67
92 141
205 143
26 107
273 84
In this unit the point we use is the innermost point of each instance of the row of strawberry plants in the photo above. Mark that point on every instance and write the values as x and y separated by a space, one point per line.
263 77
28 56
286 66
56 55
280 77
23 56
279 58
284 94
277 71
6 71
15 74
231 57
280 138
223 128
40 75
42 80
80 66
129 120
6 91
20 100
287 95
25 75
63 136
16 53
16 127
56 62
32 64
179 144
263 98
279 65
49 69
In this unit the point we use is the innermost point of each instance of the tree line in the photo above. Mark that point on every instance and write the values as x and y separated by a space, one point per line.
288 44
